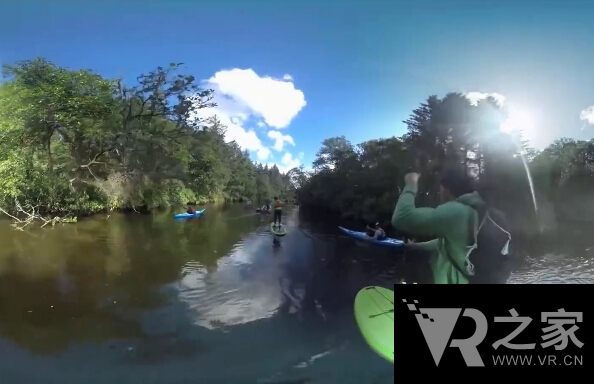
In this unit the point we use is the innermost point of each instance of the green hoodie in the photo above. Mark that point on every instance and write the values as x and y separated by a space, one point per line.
451 223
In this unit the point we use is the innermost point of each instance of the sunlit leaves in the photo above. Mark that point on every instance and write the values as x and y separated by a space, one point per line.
73 140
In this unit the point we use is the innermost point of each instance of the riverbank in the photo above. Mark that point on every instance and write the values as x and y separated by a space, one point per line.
22 218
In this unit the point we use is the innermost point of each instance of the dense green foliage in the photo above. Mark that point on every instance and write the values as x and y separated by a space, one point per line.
363 181
73 142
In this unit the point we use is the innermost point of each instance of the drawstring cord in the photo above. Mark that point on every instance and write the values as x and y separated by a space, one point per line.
504 250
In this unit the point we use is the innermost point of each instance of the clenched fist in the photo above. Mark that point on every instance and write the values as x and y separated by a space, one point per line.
412 178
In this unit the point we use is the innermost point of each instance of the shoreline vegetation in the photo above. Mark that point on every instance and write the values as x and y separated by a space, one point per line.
363 182
73 143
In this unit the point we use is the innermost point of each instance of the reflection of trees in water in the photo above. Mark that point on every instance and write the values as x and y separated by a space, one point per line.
29 253
42 253
117 260
91 282
53 338
209 237
39 315
55 283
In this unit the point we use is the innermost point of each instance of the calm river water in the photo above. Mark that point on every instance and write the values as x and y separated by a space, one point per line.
146 299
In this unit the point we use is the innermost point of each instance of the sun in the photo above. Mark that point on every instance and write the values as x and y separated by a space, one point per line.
519 122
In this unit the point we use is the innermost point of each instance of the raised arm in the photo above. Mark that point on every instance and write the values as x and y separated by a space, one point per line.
430 222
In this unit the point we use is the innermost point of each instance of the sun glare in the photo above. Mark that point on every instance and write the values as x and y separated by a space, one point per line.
519 121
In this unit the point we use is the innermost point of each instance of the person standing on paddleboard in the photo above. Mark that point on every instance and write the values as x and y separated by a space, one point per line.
472 243
278 211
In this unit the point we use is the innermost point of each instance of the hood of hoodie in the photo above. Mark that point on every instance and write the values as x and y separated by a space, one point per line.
473 200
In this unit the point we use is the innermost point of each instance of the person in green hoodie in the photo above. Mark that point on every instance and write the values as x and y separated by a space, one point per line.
455 225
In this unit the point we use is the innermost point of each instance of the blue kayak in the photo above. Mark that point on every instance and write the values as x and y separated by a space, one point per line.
188 215
388 242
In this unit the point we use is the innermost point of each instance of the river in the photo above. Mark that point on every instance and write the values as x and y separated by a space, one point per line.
146 299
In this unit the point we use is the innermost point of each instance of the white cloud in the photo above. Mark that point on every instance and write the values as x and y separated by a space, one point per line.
276 101
300 156
587 115
246 138
243 96
280 140
475 97
287 77
287 163
288 160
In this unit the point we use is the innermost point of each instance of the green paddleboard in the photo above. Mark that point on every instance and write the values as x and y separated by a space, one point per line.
374 312
278 230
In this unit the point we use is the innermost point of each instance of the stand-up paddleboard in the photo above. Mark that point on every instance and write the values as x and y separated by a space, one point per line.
374 313
388 242
278 230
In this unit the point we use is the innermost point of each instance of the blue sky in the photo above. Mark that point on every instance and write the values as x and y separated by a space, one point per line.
355 68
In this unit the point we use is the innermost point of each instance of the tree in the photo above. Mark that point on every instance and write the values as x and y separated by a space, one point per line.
73 142
364 181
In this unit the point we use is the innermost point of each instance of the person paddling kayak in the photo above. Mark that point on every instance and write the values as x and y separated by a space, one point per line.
374 231
463 226
190 210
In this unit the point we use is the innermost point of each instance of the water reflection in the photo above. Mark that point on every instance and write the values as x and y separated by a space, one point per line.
243 288
251 283
148 299
554 269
